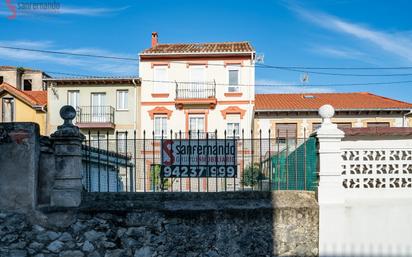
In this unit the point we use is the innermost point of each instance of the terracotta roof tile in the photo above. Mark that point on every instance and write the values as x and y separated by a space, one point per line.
340 101
220 48
38 98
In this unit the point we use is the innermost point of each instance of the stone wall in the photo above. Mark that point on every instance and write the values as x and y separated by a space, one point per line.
19 158
168 224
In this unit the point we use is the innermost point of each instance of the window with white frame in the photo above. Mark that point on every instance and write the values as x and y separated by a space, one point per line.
233 125
160 125
196 125
160 84
121 142
122 96
73 98
234 78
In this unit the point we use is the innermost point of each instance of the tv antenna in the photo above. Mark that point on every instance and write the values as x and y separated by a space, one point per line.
260 58
304 78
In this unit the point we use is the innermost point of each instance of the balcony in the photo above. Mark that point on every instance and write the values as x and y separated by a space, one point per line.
92 117
195 93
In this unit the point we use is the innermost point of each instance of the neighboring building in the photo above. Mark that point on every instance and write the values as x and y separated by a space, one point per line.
197 87
290 115
23 78
23 106
107 105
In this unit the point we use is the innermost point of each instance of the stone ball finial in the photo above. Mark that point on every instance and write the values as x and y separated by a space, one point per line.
67 113
326 111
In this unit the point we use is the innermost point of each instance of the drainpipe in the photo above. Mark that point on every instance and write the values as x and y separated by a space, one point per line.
404 118
135 97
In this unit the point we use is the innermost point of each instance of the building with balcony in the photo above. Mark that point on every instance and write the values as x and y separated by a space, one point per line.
296 115
104 105
197 88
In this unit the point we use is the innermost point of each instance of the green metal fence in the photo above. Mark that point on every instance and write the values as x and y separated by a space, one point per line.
294 166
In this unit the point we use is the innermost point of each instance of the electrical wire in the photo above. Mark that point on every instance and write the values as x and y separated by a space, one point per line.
301 69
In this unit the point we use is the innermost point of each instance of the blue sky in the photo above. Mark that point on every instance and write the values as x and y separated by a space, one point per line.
321 33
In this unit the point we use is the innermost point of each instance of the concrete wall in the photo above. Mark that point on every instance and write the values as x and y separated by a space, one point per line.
214 224
365 194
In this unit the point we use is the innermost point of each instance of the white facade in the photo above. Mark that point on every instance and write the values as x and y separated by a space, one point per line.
364 194
207 104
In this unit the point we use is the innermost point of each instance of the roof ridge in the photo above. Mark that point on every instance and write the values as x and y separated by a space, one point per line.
200 43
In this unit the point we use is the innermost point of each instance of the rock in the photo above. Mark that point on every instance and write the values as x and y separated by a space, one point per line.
212 254
93 235
36 246
88 247
94 254
53 235
145 251
9 238
71 254
121 231
129 242
65 237
70 244
38 228
18 253
136 232
42 238
107 244
18 245
55 246
114 253
78 226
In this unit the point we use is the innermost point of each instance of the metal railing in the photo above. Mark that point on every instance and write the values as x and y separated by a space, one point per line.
195 90
95 114
202 164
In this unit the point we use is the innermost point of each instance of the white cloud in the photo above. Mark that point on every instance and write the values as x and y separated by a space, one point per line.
89 11
66 10
90 65
395 43
267 86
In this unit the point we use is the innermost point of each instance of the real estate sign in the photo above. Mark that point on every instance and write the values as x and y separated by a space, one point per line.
199 158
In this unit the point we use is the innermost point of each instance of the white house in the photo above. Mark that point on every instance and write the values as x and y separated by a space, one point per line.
197 87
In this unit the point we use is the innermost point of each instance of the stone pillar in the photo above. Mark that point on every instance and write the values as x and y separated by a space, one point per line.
330 189
67 141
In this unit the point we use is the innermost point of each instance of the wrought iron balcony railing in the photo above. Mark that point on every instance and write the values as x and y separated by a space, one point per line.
195 90
93 115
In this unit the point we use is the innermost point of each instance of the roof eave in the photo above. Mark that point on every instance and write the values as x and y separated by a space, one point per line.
196 53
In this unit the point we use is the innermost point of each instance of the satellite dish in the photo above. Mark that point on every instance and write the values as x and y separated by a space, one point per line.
304 78
260 58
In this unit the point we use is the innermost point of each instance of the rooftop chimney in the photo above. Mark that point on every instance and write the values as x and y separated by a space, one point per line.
154 39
